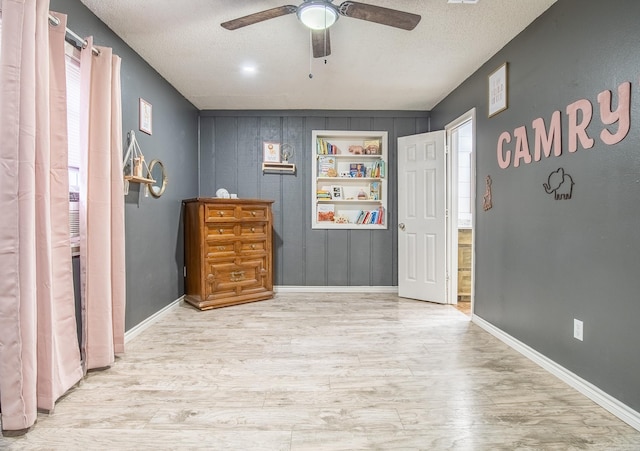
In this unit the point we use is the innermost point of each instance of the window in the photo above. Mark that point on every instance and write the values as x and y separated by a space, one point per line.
72 62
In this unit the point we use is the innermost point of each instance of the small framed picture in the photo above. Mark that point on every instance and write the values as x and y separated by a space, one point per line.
336 193
498 90
145 117
271 152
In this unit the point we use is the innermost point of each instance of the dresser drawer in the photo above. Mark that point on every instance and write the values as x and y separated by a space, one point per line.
217 231
227 279
220 249
247 230
254 212
216 213
250 246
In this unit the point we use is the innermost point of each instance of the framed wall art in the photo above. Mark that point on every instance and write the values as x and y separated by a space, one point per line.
145 117
498 90
271 152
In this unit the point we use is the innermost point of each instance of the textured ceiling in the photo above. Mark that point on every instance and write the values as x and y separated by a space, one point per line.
372 66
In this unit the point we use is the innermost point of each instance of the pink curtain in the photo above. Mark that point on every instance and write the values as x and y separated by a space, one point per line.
39 356
102 256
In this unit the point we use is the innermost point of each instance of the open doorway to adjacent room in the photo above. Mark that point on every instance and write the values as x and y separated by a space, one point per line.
460 138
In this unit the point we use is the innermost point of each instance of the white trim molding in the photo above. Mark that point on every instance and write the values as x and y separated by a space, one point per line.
335 289
140 327
603 399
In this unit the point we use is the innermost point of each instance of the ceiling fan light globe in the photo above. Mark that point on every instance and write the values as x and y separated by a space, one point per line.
317 15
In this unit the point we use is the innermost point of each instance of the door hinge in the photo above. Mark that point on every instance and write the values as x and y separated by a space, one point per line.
184 271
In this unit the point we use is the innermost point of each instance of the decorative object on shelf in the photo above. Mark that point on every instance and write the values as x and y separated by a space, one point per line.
157 172
560 184
349 189
486 197
146 119
287 152
222 193
372 147
270 152
135 166
498 90
336 192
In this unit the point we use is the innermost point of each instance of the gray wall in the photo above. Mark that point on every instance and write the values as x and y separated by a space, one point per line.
154 245
543 262
231 157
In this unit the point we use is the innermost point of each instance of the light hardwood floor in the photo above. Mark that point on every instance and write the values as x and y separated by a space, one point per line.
324 372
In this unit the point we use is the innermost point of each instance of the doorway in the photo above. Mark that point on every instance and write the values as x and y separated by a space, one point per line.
461 175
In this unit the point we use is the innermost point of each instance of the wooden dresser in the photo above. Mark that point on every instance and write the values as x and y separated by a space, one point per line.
228 251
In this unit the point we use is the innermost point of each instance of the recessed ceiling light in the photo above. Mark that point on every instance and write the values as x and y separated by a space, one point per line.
249 69
471 2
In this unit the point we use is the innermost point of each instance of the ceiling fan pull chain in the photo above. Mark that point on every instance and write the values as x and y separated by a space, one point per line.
310 52
325 37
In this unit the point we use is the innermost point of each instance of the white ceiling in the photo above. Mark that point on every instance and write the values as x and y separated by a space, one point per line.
372 66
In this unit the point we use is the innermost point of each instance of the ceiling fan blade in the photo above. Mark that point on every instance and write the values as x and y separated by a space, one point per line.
259 17
378 14
321 43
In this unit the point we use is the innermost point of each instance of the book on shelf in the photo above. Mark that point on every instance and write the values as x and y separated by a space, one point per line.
374 191
376 170
370 216
327 166
323 194
326 148
380 216
325 212
357 170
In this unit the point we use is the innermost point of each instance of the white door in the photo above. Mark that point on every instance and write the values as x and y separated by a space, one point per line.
422 217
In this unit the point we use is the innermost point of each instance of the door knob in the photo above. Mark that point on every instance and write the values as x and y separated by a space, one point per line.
401 226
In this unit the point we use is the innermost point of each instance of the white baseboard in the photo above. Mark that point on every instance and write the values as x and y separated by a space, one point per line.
608 402
138 328
334 289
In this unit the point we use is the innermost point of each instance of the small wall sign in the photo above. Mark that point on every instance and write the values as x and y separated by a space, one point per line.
498 90
145 116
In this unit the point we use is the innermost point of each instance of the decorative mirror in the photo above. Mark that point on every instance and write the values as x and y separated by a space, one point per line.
157 173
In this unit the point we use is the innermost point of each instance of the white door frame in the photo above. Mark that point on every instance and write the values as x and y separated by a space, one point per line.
452 205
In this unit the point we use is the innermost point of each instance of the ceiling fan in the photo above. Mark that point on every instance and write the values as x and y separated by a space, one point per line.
319 15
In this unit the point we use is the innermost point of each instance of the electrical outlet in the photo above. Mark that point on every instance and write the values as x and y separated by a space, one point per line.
578 329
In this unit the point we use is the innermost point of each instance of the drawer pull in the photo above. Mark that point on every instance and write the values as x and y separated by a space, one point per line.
253 229
222 248
237 276
253 213
253 246
220 231
221 213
